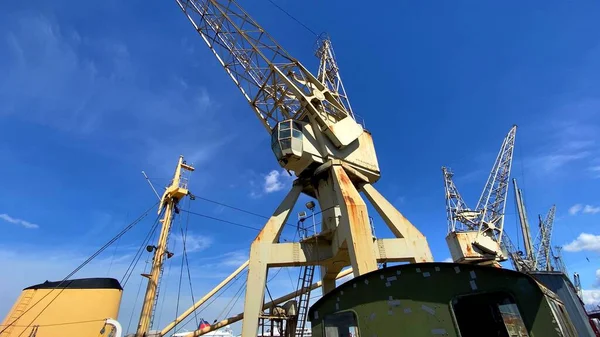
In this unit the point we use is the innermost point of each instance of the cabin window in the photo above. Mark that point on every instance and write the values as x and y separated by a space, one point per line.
341 324
286 139
496 314
562 318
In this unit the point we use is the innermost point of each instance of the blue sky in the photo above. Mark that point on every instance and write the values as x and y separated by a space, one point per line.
91 94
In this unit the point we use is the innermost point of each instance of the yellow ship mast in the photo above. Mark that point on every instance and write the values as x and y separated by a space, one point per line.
175 192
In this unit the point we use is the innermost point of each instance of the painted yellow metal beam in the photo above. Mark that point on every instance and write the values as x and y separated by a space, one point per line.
203 299
276 301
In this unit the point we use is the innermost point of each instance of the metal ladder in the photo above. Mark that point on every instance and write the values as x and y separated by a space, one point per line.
162 267
304 298
19 310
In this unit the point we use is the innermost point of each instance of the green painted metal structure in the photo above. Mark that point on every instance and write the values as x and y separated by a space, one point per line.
440 299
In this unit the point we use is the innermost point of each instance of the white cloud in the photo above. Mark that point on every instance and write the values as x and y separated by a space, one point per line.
276 181
591 209
584 241
272 182
19 222
575 209
591 298
587 209
448 259
193 242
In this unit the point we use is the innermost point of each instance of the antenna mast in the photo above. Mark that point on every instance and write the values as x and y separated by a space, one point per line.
168 205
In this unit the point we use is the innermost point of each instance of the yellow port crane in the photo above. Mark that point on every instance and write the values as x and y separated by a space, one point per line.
315 135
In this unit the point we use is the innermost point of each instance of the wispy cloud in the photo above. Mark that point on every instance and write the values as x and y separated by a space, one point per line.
584 242
585 209
575 209
595 170
591 209
448 259
19 222
193 242
95 88
573 138
563 154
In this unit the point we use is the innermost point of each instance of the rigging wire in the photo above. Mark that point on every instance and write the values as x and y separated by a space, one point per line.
187 262
293 18
237 293
232 207
237 299
138 254
222 220
98 252
239 224
213 299
134 263
137 296
162 304
183 238
113 256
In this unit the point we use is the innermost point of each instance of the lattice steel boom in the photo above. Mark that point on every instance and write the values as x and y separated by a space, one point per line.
543 248
460 217
275 84
493 198
329 72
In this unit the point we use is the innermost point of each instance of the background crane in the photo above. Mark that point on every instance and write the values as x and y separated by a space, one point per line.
313 134
543 248
538 254
476 235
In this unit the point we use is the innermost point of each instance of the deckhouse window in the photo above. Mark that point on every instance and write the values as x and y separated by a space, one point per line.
564 324
341 324
496 314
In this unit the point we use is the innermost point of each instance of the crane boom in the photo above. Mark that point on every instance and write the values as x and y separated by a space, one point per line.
523 220
329 72
543 249
493 198
475 236
275 84
460 217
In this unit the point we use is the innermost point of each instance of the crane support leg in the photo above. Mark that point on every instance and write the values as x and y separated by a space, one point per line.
355 226
260 252
327 281
399 225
